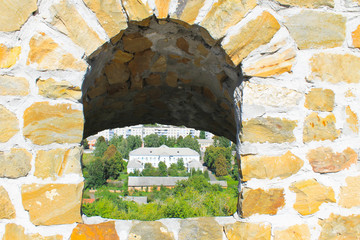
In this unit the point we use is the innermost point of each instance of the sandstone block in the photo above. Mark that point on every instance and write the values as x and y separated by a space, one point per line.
122 57
150 231
15 13
310 195
8 56
352 120
187 11
200 228
272 130
159 65
319 99
307 3
312 29
17 232
317 128
104 231
248 231
9 124
51 204
15 164
335 68
324 160
171 79
225 14
13 86
136 10
136 43
298 232
162 7
117 72
271 201
109 14
340 227
46 124
153 80
356 37
57 162
7 210
252 35
99 88
350 194
140 63
48 55
270 167
52 89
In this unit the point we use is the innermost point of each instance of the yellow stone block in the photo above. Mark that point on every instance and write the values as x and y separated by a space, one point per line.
352 120
298 232
52 89
17 232
13 86
15 13
7 210
319 99
15 163
307 3
136 10
317 128
9 124
356 37
350 194
8 56
162 7
248 231
187 11
105 230
338 227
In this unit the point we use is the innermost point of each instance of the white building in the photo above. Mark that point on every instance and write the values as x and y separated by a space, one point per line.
163 154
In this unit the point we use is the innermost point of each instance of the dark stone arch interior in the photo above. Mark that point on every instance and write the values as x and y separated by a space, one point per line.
165 72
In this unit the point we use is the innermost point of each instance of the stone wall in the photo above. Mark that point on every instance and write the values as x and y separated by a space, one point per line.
280 77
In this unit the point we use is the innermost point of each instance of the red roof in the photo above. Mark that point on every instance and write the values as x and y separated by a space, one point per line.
88 200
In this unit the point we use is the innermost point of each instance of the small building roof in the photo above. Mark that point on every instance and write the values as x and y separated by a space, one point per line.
134 164
153 181
195 164
163 151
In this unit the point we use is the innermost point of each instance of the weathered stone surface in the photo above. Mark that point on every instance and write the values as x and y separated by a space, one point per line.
117 72
356 37
319 99
9 124
273 130
200 228
15 164
7 210
57 162
274 96
48 55
136 10
68 20
317 128
159 65
150 231
122 57
8 56
352 120
140 63
248 231
51 204
274 64
162 7
171 79
271 201
52 89
338 227
17 232
153 80
225 14
350 194
13 86
187 11
263 167
136 43
307 3
15 13
335 68
312 29
310 195
104 231
324 160
298 232
110 15
46 124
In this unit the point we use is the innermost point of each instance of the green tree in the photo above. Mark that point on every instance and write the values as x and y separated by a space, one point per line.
202 134
100 147
221 166
180 164
162 169
114 166
133 142
171 142
162 140
96 174
221 142
85 144
212 153
189 142
152 140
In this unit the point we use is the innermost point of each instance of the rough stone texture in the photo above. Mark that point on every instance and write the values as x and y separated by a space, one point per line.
271 200
263 167
350 194
15 13
103 231
57 162
319 99
200 228
136 43
17 232
13 86
324 160
48 55
46 124
335 68
225 14
51 204
317 128
7 210
190 11
307 3
110 15
273 130
274 96
52 89
251 36
69 21
338 227
352 120
298 232
150 231
8 56
136 10
356 37
15 164
248 231
310 195
312 29
162 7
9 124
159 65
